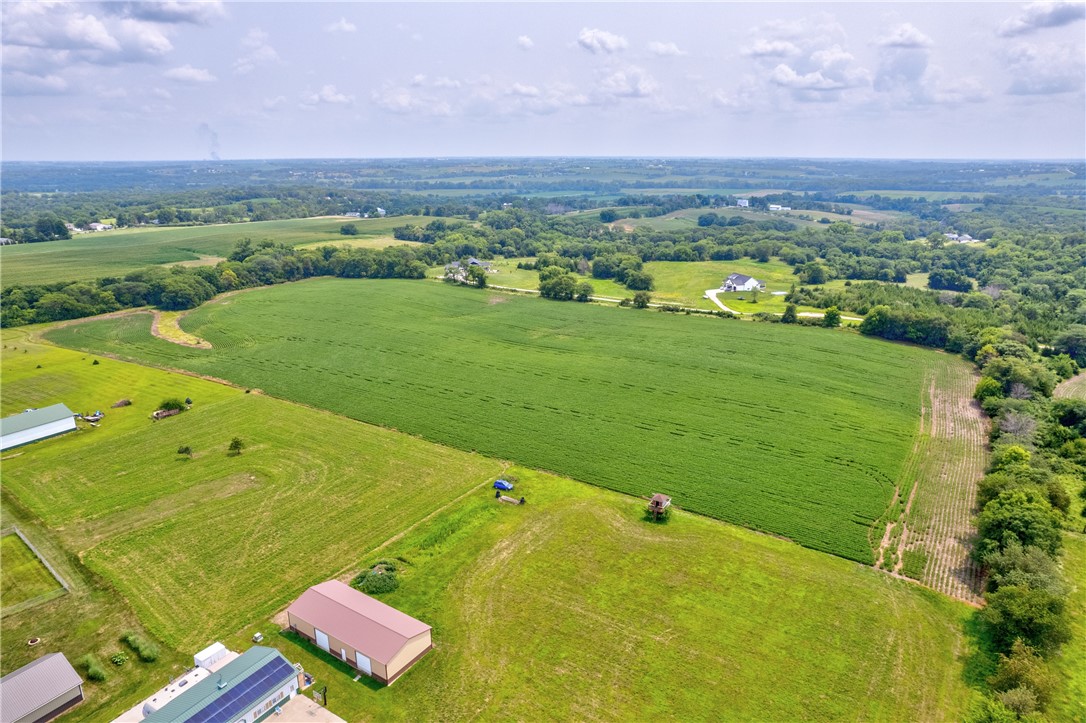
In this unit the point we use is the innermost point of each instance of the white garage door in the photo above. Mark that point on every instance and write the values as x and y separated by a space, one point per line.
322 639
363 663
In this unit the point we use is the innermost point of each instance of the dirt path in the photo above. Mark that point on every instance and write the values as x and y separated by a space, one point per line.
933 533
1073 388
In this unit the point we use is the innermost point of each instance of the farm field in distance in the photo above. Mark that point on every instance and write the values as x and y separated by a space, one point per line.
89 256
679 282
763 426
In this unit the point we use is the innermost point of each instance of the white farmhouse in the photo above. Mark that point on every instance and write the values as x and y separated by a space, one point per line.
743 202
742 282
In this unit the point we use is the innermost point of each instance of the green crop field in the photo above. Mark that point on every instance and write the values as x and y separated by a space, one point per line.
574 608
113 253
769 427
23 577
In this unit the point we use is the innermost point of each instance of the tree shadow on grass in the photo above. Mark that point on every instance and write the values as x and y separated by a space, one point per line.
328 659
983 657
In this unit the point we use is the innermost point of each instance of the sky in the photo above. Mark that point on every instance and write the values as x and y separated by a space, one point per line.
244 80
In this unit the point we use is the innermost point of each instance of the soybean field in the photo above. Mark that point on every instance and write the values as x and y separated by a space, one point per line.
799 432
89 256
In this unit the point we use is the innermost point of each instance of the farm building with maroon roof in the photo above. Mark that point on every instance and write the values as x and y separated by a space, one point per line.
377 639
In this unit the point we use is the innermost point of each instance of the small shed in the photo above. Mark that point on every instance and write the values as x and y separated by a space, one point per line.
210 655
35 424
658 505
40 690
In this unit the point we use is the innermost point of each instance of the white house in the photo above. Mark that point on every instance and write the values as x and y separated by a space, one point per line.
35 424
742 282
99 226
743 202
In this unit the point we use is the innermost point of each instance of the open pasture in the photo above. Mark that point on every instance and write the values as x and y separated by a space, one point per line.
574 608
23 577
249 531
765 426
114 253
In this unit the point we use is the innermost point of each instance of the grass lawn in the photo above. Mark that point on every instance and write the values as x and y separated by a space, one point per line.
1069 703
572 607
114 253
23 577
137 529
763 425
678 282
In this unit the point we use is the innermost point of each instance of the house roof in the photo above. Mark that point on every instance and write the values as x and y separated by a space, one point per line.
33 685
660 498
376 630
739 278
231 691
34 418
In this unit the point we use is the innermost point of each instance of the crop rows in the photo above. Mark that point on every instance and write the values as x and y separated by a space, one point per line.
933 533
799 432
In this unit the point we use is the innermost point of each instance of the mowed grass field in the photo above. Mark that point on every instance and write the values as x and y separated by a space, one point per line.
679 282
572 607
800 432
114 253
23 577
206 544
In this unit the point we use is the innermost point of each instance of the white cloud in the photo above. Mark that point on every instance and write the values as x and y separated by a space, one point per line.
19 83
598 41
327 95
1038 15
171 11
188 74
904 36
1043 70
630 82
524 91
258 52
665 49
525 43
161 93
786 77
402 101
343 25
443 82
770 49
273 103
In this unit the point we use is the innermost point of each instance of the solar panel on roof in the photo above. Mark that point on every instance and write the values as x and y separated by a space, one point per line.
247 693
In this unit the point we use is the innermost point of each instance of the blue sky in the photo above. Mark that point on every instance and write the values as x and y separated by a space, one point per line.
178 80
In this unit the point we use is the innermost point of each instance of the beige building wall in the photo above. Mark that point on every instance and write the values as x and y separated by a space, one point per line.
414 648
53 707
336 646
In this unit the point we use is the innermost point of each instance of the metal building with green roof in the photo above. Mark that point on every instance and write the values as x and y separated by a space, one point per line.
245 690
35 424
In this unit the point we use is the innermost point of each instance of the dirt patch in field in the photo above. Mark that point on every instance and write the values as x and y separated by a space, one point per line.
936 524
1073 388
167 327
496 299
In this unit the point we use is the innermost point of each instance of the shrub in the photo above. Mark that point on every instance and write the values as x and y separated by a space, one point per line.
142 647
1022 701
1024 669
236 445
376 582
641 299
1035 616
185 449
119 659
172 403
93 668
987 387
